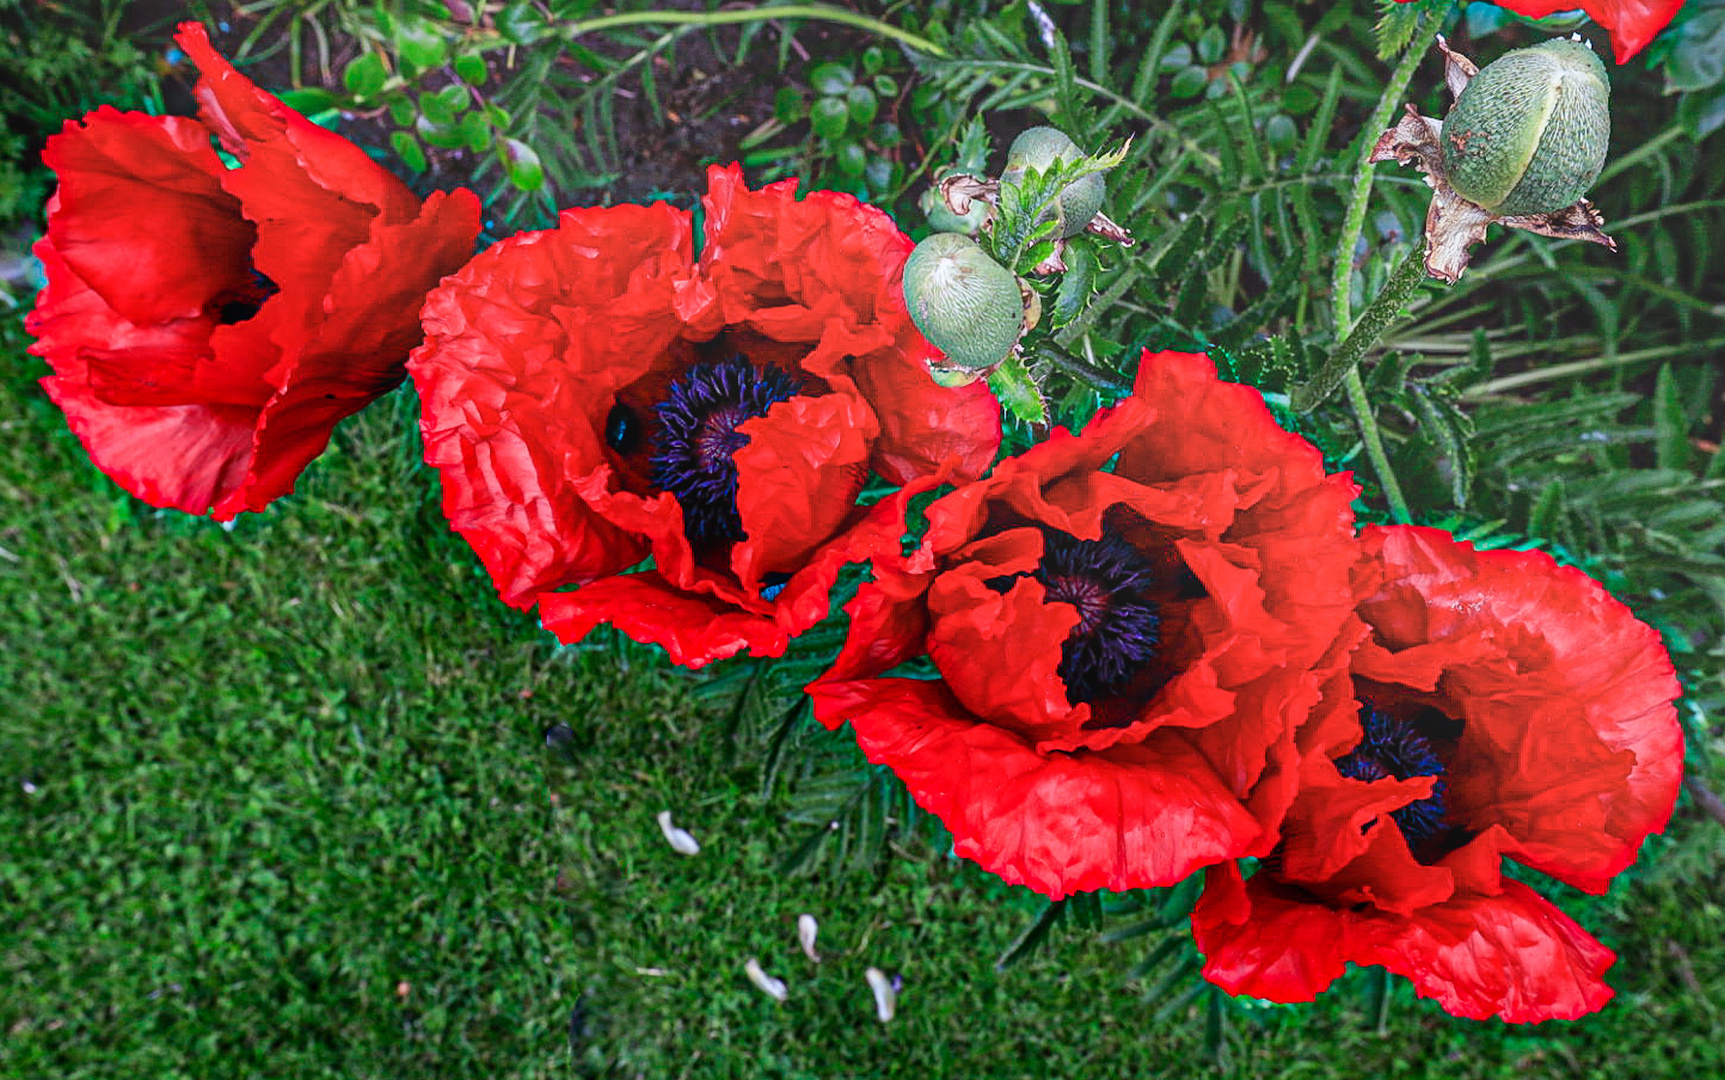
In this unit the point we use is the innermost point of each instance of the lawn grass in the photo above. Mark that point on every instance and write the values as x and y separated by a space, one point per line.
277 803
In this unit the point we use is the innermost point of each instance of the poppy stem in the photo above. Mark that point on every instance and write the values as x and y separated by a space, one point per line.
1345 362
1354 221
1342 282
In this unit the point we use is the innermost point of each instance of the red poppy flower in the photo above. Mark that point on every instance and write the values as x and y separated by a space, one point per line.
1129 624
1502 706
594 395
209 326
1632 23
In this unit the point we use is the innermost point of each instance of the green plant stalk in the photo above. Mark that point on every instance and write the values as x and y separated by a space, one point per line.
1342 279
1373 322
821 12
1354 221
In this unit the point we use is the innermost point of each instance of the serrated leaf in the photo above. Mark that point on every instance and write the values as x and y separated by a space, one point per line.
1017 391
1395 28
1077 285
1671 449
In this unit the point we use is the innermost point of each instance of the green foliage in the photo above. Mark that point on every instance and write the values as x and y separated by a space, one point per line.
61 61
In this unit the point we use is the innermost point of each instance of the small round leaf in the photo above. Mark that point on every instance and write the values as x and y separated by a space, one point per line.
831 78
862 104
829 117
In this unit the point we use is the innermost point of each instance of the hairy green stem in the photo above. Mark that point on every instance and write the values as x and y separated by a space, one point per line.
822 12
1354 221
1345 360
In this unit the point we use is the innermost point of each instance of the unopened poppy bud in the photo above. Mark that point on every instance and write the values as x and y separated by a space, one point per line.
1040 147
1528 134
967 305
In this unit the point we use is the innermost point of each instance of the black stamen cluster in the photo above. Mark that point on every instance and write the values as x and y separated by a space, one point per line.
1116 635
698 435
1393 746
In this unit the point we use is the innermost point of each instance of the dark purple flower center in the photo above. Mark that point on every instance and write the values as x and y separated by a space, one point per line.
1396 746
243 303
698 436
1107 581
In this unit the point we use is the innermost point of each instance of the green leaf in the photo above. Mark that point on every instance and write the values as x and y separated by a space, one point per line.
1077 285
1190 82
442 136
1019 395
402 110
407 148
829 117
1697 58
850 158
1547 514
521 23
1396 28
309 101
1671 449
365 75
419 44
861 103
522 165
436 109
476 130
789 106
1212 44
886 86
1032 936
1280 132
831 78
471 69
873 59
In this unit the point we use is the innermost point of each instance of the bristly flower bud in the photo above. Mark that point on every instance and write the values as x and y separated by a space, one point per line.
1528 134
1078 202
1525 139
967 305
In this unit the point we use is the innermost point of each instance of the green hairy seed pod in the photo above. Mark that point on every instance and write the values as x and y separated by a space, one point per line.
1079 201
1529 132
966 304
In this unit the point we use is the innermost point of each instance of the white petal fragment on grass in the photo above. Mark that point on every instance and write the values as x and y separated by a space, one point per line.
807 928
679 839
885 998
771 986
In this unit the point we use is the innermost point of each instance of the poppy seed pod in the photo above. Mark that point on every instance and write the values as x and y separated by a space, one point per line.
1040 147
967 305
1528 134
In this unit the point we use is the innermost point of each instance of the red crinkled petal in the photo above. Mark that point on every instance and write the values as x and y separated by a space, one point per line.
695 629
1130 817
709 619
141 217
150 237
1633 23
1514 955
525 349
801 271
356 350
1243 677
1571 741
178 456
300 156
797 480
